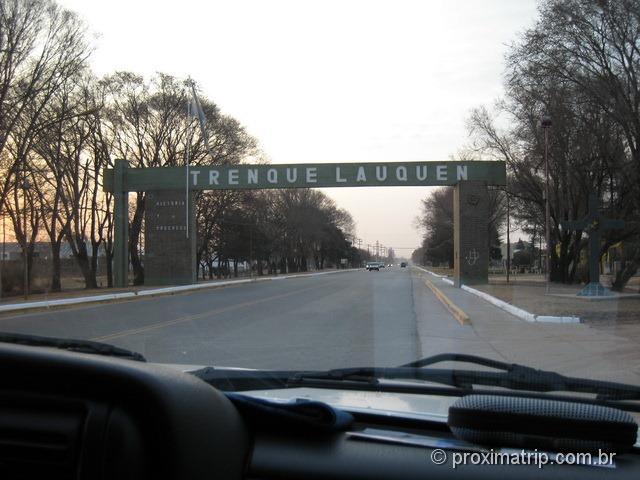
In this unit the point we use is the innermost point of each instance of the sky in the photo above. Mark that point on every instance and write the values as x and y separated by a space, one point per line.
328 81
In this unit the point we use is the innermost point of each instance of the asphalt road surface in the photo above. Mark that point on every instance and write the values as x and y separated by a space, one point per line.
345 319
356 318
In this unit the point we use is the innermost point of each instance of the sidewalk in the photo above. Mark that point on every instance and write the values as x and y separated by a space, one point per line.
528 292
607 353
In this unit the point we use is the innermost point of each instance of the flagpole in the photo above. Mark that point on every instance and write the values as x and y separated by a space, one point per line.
205 138
188 164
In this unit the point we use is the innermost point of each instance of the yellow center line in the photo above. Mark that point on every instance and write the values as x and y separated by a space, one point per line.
197 316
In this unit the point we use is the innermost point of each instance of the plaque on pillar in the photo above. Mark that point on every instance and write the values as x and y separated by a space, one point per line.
170 238
471 233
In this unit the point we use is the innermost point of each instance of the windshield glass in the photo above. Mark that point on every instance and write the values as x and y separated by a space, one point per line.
316 185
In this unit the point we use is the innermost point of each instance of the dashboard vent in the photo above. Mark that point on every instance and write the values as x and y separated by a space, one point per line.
39 443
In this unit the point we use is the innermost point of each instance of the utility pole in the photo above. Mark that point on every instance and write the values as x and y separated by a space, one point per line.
546 124
508 238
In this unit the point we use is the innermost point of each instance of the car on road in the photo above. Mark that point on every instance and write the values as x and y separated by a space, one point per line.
373 266
403 265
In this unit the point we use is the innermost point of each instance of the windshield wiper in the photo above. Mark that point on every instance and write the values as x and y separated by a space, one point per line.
80 346
511 376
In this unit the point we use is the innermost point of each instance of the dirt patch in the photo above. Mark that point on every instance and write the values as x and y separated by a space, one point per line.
532 296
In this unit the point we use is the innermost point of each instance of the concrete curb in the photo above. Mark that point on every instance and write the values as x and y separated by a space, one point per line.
457 312
519 312
151 292
554 319
444 278
507 307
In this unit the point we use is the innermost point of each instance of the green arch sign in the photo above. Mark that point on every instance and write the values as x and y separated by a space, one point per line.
166 242
309 175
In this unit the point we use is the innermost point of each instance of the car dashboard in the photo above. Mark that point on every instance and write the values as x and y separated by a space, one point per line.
81 416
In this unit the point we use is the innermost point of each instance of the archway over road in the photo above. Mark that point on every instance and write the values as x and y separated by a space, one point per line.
170 220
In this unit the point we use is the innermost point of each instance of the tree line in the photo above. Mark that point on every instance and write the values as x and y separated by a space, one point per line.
61 126
276 231
578 65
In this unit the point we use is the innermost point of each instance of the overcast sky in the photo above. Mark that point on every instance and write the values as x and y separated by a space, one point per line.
327 81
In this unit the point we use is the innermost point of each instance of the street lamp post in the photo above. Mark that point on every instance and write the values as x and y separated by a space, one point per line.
546 124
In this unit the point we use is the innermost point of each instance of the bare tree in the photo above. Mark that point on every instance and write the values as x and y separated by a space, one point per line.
577 65
150 128
41 46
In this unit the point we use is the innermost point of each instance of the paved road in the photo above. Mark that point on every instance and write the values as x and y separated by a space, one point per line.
344 319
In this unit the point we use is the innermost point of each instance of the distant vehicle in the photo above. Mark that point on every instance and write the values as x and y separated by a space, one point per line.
381 264
403 265
373 266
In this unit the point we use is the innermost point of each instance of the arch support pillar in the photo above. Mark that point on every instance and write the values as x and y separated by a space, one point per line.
471 233
121 225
